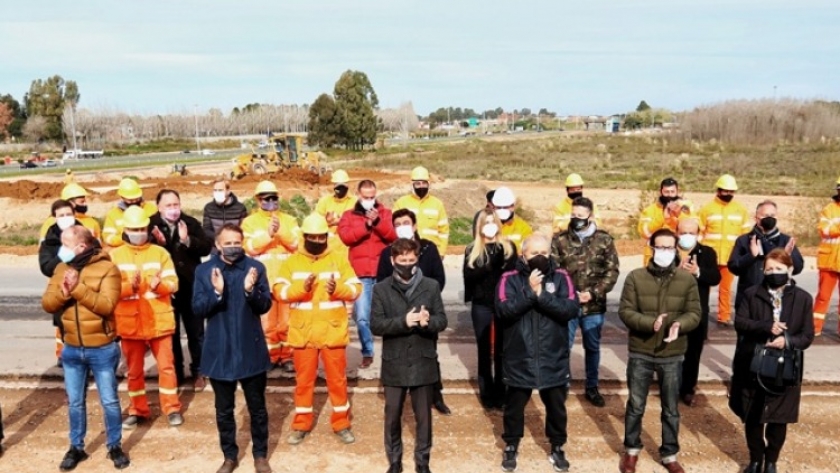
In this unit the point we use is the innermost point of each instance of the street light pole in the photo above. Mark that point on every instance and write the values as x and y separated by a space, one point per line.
73 126
195 114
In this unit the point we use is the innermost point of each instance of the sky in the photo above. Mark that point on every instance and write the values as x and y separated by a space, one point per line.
167 56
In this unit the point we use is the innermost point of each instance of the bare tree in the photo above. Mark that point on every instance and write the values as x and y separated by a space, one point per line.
35 128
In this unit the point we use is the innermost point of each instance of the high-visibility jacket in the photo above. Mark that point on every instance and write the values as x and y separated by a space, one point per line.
330 204
112 231
828 253
721 224
259 245
147 313
318 319
87 221
432 222
516 230
563 213
653 218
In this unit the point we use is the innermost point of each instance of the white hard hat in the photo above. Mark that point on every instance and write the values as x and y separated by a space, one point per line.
503 197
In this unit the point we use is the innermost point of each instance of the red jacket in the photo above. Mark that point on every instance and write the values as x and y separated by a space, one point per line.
366 243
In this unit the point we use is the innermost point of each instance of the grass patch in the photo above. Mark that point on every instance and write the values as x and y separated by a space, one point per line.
168 145
24 235
460 231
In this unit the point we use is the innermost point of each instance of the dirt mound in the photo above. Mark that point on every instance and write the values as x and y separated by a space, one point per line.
27 190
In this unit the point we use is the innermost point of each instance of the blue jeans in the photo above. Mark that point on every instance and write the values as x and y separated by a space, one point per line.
102 362
639 376
590 325
361 314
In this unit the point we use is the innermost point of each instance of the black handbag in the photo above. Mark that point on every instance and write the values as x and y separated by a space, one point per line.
777 368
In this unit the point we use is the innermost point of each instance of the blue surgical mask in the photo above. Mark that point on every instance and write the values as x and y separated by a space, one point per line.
269 205
65 254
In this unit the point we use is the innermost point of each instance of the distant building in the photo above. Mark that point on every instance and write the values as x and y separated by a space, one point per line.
613 124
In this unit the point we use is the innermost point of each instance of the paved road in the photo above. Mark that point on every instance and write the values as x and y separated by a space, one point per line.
26 338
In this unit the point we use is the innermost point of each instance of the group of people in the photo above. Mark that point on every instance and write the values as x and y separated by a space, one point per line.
256 290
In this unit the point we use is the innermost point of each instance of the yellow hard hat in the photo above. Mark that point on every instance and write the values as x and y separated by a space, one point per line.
727 183
838 181
574 180
73 190
68 171
419 174
129 189
265 187
340 177
315 224
135 217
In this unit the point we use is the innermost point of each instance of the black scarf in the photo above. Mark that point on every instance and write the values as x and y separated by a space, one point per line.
769 241
410 286
81 260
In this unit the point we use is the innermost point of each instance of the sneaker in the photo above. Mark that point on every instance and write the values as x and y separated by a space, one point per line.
346 436
296 437
131 422
72 458
594 397
366 362
509 458
120 459
558 459
175 419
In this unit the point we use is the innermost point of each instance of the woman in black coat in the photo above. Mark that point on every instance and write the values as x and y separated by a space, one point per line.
768 312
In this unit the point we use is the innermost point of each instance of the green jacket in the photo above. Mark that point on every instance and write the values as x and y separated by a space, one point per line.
651 291
592 264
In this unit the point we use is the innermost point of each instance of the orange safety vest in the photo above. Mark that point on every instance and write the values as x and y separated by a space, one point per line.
828 253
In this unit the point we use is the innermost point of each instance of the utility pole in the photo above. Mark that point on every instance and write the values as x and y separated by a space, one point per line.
73 126
195 114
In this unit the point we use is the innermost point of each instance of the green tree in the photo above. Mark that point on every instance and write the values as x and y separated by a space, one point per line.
47 98
324 126
355 104
642 106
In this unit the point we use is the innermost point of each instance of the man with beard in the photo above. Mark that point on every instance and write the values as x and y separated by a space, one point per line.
432 222
666 212
563 210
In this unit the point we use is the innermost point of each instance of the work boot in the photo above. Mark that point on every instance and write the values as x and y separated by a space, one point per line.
261 465
175 419
628 463
397 468
131 422
120 459
422 469
346 436
558 459
228 466
753 467
509 458
594 397
770 467
72 458
296 437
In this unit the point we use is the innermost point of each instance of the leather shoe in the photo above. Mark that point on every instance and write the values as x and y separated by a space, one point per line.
673 467
422 469
72 458
118 456
688 399
753 467
628 463
228 466
261 465
395 468
441 407
770 467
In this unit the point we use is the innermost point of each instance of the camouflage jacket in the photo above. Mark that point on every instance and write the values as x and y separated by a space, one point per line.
592 264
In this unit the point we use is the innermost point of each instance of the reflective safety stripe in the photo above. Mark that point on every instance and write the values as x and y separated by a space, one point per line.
353 280
443 221
819 316
152 265
327 275
715 217
141 392
712 236
352 288
300 275
430 211
343 408
127 267
132 297
516 237
330 305
274 346
168 273
163 390
444 236
109 230
303 410
429 231
302 305
149 295
830 241
731 237
734 217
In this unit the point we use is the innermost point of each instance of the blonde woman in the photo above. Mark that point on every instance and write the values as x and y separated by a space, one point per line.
485 259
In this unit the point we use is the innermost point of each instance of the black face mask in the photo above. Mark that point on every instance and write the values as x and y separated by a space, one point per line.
404 271
574 195
340 191
665 200
768 223
836 197
314 248
726 198
578 224
774 281
539 262
233 253
421 191
80 209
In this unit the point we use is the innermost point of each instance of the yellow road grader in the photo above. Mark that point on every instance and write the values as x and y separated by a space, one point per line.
286 152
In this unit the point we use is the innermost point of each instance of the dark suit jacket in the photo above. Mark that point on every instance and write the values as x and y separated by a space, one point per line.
706 259
749 268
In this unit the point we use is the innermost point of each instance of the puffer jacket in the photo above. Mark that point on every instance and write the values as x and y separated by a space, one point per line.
592 264
87 316
146 314
216 216
317 319
366 244
651 291
536 333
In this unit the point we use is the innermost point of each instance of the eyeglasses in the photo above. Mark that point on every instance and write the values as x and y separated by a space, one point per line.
270 198
665 248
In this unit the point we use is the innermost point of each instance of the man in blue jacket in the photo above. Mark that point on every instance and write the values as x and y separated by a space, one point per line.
535 302
230 292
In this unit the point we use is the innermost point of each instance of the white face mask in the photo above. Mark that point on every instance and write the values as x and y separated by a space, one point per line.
490 230
687 241
663 259
368 204
503 214
65 222
405 231
219 197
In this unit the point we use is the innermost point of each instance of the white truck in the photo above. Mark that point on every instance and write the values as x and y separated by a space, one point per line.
81 154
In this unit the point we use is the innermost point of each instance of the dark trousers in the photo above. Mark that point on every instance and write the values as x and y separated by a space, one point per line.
225 392
756 435
421 404
1 425
639 376
691 363
194 326
554 400
491 387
